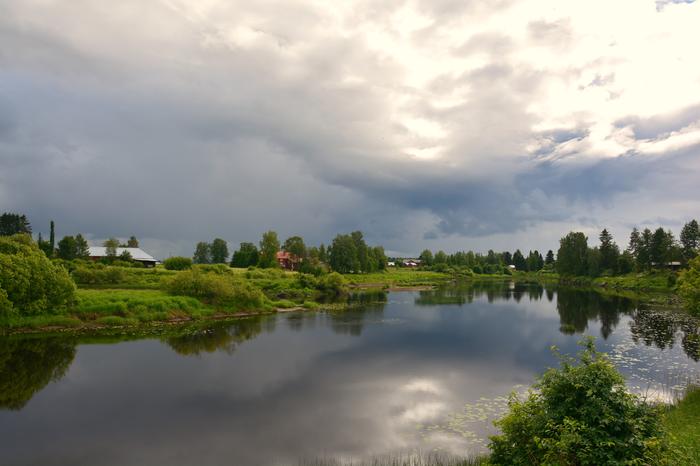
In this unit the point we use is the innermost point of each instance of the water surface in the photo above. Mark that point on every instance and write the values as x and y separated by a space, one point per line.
399 372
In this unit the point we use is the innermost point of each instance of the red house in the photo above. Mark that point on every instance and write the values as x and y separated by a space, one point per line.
287 260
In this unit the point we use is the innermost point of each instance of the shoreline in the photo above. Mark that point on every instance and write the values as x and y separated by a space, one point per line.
656 299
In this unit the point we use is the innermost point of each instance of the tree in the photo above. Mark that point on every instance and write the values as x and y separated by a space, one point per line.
343 254
125 256
132 243
45 246
635 242
269 245
246 256
379 257
519 260
660 250
609 252
580 414
52 239
625 263
690 239
362 252
82 249
594 260
68 248
572 257
202 253
440 258
295 245
177 263
507 258
44 287
219 251
689 286
111 246
643 251
549 260
322 253
426 257
535 261
12 224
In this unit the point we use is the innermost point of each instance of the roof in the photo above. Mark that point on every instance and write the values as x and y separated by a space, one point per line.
136 253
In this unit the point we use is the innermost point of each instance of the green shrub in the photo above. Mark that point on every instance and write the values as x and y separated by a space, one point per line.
689 286
332 283
580 414
30 284
177 263
221 269
220 290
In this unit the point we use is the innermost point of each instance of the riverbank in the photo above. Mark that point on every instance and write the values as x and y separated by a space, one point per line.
683 425
131 298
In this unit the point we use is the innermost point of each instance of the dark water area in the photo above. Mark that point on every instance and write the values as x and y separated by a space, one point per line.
398 372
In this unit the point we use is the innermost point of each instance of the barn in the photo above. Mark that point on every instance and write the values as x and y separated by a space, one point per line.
137 254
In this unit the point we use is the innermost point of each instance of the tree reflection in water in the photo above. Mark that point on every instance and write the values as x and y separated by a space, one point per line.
27 365
661 328
194 341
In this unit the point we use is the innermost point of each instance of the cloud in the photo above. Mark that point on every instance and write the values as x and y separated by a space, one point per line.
441 123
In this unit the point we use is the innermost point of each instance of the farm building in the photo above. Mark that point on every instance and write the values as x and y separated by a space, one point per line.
137 254
287 260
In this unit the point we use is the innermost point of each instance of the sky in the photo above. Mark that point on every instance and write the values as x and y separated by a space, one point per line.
439 124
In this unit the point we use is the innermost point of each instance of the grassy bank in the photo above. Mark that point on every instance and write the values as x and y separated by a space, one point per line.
683 424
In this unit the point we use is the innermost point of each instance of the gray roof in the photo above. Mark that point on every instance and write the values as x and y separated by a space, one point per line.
136 253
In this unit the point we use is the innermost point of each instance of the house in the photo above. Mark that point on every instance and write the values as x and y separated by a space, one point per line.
410 263
391 264
287 260
137 254
511 267
673 265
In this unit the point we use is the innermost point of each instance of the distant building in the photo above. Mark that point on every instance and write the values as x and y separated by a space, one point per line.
410 263
674 265
511 267
137 254
391 264
287 260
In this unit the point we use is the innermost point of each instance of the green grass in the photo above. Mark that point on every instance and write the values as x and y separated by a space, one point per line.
399 278
662 280
683 424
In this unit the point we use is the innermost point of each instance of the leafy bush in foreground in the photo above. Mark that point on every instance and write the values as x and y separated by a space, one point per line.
29 283
219 290
580 414
177 263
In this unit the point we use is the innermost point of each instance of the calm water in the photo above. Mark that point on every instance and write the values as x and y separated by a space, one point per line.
409 370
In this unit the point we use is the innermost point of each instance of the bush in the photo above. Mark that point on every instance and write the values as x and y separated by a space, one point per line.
177 263
30 284
220 290
689 286
580 414
333 283
98 276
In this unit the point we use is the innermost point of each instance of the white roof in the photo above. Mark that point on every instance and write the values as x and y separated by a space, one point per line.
136 253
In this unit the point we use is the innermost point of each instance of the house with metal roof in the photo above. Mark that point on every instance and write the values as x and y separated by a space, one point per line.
137 254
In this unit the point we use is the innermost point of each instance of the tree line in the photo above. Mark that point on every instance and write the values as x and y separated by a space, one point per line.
646 250
490 263
347 253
